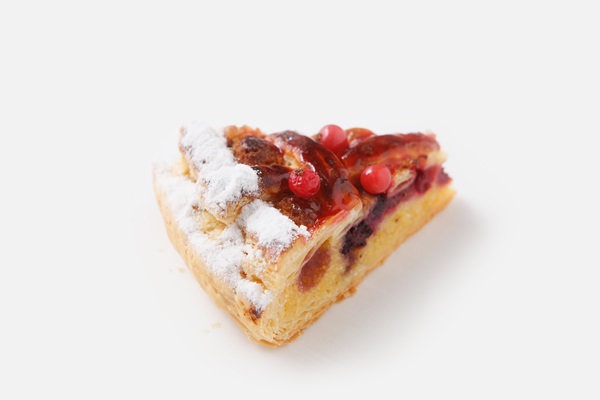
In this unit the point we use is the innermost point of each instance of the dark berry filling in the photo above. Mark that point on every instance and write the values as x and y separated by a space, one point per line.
357 235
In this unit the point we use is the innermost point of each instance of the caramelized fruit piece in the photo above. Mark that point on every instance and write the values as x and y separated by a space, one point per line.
273 178
314 269
357 135
254 150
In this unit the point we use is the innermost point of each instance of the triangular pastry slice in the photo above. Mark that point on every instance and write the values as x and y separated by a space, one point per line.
278 227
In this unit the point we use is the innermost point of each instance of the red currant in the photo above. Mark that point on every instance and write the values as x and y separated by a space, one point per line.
304 183
333 138
376 178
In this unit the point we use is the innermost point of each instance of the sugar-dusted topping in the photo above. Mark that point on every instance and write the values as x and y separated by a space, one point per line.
206 147
255 293
225 180
228 184
181 196
223 256
269 226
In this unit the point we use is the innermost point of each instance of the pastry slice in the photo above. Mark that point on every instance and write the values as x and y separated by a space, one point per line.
278 227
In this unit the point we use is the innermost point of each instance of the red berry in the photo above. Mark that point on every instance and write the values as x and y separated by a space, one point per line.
333 138
376 178
304 183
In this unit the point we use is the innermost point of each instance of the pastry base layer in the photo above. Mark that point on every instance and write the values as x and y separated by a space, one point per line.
291 310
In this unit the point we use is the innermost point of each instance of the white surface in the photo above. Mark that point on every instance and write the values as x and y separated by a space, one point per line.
497 298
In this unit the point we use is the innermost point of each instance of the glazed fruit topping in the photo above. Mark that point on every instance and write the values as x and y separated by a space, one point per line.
309 179
395 151
376 179
336 192
304 183
333 138
357 135
273 178
253 150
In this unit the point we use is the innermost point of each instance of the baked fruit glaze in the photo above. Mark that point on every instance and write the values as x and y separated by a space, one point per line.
333 171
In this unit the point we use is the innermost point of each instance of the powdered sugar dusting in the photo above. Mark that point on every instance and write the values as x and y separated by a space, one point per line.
225 180
255 293
269 226
228 184
222 182
223 256
205 147
181 195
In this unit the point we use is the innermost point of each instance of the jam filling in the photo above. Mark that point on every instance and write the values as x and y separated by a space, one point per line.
314 269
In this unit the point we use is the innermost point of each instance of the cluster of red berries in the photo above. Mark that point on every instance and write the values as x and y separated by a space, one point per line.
305 183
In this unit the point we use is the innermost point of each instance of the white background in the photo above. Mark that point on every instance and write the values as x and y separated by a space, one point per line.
497 298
